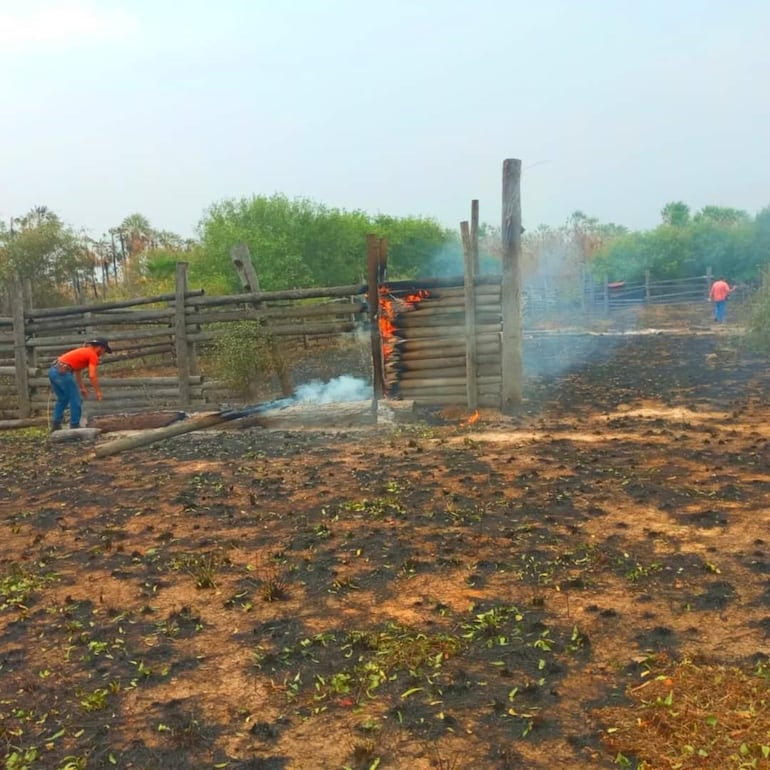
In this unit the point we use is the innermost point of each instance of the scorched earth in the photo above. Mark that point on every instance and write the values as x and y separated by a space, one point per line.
564 588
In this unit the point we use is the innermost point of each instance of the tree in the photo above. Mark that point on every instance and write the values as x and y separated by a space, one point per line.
40 248
419 246
138 234
299 242
676 214
724 216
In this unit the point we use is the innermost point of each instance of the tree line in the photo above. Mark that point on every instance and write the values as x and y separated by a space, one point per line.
302 243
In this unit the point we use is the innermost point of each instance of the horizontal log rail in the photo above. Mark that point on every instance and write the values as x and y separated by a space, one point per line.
418 333
271 296
84 309
283 331
448 372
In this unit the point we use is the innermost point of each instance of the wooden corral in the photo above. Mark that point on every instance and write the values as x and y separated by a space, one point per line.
166 332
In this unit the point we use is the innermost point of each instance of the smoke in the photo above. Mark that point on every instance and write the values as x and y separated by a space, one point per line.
344 388
446 262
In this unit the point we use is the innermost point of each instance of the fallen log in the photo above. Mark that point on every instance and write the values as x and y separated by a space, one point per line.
28 422
299 417
459 399
111 423
146 437
74 434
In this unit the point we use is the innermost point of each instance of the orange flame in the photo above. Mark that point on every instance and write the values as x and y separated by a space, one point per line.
472 419
390 306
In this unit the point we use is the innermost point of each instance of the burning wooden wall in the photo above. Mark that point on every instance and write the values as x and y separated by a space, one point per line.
452 342
425 332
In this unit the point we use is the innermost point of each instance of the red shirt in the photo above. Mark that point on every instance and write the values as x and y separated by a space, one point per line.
719 291
82 358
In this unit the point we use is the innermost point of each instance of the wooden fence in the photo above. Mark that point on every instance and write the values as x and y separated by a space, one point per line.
172 329
176 328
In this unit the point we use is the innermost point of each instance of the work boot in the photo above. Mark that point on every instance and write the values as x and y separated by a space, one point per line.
55 426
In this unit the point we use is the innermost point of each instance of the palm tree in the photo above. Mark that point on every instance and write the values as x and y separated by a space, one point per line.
138 234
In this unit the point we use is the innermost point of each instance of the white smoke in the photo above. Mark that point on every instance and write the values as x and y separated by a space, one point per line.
345 388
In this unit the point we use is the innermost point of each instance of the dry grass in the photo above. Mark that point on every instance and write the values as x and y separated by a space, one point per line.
693 714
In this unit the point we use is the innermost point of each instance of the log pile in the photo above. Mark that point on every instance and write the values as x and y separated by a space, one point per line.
425 344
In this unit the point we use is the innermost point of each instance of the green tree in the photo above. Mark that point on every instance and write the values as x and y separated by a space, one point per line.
39 247
724 216
675 214
419 246
296 243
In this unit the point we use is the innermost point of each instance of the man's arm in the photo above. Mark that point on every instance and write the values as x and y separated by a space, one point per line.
81 385
92 375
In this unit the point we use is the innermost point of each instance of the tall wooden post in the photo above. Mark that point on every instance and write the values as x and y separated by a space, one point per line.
20 349
471 383
512 374
241 259
373 298
32 355
180 335
474 235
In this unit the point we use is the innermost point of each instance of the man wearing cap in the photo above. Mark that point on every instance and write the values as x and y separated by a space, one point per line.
66 380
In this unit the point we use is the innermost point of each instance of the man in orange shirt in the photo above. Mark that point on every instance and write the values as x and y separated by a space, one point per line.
65 376
720 291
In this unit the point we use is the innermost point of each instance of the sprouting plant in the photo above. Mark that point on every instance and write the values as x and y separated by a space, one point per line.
202 566
94 701
365 754
20 582
578 640
494 625
273 585
21 759
544 642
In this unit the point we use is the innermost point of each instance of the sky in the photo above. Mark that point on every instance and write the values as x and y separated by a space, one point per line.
405 108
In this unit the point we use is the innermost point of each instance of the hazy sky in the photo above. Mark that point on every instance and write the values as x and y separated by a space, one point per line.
405 107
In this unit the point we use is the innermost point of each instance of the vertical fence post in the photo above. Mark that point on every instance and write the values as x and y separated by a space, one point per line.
646 287
180 335
709 281
474 236
20 348
606 295
511 356
373 298
469 284
32 355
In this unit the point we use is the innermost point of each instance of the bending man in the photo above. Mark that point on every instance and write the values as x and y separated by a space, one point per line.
66 380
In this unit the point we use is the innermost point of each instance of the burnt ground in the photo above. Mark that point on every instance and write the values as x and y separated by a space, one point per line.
436 594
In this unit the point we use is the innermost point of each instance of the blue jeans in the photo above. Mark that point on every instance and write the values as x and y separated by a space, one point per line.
719 310
67 392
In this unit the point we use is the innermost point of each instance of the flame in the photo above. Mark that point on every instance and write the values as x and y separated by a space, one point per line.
472 419
390 306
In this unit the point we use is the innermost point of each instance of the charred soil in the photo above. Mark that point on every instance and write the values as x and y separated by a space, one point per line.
583 585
